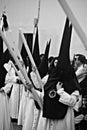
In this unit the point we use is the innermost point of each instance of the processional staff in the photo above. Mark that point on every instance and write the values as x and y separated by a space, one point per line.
29 85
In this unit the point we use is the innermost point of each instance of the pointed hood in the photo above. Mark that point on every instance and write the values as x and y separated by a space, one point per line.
63 71
5 22
21 47
1 46
63 57
29 39
64 64
43 68
4 59
36 51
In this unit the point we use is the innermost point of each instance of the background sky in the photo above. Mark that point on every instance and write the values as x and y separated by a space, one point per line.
21 14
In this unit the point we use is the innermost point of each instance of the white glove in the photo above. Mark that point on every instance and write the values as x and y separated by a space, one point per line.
59 85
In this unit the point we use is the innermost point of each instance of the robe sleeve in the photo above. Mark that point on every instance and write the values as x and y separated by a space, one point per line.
68 99
78 103
10 76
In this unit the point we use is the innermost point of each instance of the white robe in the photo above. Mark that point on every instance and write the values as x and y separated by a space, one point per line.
10 80
5 121
29 113
22 108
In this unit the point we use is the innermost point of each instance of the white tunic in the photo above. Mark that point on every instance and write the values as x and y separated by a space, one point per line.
10 81
23 102
5 121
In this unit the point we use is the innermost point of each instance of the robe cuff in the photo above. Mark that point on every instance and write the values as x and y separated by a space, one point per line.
67 99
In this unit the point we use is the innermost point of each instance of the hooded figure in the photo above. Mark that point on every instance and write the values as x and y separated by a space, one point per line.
63 72
43 67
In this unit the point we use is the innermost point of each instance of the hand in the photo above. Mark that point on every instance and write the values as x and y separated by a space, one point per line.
59 85
79 118
34 68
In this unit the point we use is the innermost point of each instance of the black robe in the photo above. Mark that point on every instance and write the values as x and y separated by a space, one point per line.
63 72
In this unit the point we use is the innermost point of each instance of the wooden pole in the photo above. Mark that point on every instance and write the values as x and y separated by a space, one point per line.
74 22
29 84
38 16
36 20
